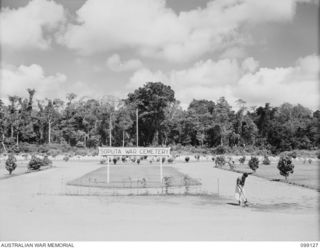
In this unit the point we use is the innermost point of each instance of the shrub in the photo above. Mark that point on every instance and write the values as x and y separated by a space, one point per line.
123 159
197 157
53 153
93 153
138 161
29 148
310 161
103 161
231 163
35 163
221 150
285 166
220 161
93 141
187 159
170 160
11 164
266 160
293 154
15 148
163 159
25 156
262 151
46 161
65 147
114 160
253 163
43 149
318 155
81 152
242 159
66 158
80 144
212 158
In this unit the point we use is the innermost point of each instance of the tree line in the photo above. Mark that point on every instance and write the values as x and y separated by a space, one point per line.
161 121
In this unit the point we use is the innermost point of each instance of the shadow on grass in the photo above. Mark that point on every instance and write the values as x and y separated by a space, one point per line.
232 203
7 176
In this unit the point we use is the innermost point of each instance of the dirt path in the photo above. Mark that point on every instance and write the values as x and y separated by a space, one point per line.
35 207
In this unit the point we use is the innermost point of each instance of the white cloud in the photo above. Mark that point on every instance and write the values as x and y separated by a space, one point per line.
114 63
156 31
208 73
26 27
144 75
297 84
205 79
15 81
249 65
213 79
233 52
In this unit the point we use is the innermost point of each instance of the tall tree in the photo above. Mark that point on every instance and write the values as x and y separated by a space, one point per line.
223 117
124 121
151 100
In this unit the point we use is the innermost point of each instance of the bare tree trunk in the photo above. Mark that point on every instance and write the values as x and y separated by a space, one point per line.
41 134
137 127
86 137
49 132
11 131
17 138
4 147
122 138
110 132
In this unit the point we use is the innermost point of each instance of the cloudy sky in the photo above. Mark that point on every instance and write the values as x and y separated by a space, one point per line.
259 51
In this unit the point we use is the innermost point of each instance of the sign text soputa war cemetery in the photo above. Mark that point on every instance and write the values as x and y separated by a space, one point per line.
134 151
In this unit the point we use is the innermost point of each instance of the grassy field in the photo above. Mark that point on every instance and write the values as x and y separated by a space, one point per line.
132 177
305 174
21 169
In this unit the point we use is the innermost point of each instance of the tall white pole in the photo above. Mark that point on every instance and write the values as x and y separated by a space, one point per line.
108 170
137 127
161 172
110 133
122 138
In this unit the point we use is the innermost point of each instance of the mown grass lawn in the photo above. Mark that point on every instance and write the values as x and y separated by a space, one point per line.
137 176
304 174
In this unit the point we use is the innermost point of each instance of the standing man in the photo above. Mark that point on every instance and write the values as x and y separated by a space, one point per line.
239 192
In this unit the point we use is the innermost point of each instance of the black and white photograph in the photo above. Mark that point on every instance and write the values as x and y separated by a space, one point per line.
159 120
